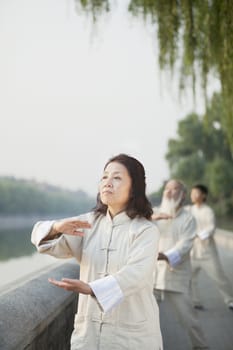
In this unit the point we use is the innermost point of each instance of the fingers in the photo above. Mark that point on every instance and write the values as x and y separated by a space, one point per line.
164 216
69 284
55 282
77 226
76 232
72 285
69 280
61 284
78 223
71 226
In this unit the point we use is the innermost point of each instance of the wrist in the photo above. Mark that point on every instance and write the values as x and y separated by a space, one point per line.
54 232
92 293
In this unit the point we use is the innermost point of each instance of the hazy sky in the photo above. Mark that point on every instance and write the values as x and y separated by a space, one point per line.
73 95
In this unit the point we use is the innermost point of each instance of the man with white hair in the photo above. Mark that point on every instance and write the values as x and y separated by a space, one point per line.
173 273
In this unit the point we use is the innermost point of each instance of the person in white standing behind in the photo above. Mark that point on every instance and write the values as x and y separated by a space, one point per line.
116 246
173 271
204 255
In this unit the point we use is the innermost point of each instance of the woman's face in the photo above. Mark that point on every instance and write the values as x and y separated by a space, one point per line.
115 187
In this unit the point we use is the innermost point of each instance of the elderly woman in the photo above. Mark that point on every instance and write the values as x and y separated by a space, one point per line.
116 246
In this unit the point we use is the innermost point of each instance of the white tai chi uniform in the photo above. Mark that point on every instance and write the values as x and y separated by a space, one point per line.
204 255
172 280
116 257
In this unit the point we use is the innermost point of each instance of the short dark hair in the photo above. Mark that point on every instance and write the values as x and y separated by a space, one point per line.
138 204
202 188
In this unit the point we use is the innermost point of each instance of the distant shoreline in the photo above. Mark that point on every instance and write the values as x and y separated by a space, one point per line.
21 221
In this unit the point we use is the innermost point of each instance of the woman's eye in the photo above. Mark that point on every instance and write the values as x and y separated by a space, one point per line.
117 177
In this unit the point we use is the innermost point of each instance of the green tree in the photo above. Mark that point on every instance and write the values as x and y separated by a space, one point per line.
200 153
186 155
22 197
195 37
219 174
198 36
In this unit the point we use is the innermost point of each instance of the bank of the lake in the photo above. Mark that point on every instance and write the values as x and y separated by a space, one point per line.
21 221
18 256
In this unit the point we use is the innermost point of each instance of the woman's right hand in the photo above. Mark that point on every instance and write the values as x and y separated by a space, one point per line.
70 226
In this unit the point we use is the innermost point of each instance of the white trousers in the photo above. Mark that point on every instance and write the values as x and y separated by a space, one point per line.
212 267
182 305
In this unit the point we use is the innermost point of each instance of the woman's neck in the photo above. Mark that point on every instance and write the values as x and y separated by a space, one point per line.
114 212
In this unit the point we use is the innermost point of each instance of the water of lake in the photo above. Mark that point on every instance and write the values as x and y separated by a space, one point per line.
18 257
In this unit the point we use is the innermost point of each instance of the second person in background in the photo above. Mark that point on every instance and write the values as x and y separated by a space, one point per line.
173 270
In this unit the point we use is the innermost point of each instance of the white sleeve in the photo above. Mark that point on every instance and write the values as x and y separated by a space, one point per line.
173 256
203 234
209 224
107 292
40 231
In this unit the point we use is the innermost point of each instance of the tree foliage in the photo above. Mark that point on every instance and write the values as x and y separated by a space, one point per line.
93 7
197 35
200 34
24 197
200 153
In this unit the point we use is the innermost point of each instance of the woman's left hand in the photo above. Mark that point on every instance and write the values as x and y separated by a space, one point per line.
72 285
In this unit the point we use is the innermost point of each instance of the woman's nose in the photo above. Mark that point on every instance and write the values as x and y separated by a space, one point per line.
108 183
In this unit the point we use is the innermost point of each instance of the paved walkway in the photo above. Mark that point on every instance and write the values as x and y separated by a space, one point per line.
216 319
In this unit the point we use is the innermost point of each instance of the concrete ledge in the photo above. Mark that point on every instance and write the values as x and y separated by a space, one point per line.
37 315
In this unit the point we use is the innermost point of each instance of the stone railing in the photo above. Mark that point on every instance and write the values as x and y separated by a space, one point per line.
36 315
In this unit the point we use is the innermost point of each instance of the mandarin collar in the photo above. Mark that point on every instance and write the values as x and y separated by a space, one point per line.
118 219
